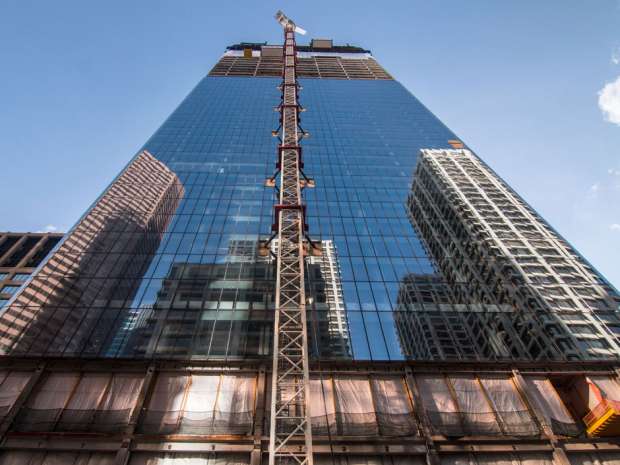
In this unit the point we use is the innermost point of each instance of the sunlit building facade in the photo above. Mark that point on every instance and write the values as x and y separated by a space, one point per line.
20 255
448 323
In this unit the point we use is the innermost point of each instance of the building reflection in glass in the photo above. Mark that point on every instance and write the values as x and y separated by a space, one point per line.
156 267
74 301
432 326
226 309
509 284
206 309
328 323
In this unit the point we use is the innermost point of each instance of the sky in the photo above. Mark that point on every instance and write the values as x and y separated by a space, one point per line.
533 87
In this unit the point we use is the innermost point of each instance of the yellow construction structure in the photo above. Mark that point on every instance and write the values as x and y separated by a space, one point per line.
604 419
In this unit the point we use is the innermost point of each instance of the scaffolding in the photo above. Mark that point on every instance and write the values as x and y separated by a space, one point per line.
129 411
290 377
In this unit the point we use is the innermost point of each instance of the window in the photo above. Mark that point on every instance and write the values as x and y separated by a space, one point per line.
3 276
582 329
588 344
21 251
10 289
21 277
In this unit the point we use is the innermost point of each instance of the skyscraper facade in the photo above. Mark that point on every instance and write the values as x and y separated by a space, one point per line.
447 322
20 255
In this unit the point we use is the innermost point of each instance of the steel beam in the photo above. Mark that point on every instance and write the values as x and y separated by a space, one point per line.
290 435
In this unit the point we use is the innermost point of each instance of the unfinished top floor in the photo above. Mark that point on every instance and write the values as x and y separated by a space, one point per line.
320 59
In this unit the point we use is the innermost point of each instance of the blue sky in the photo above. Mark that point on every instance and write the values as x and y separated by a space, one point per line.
533 87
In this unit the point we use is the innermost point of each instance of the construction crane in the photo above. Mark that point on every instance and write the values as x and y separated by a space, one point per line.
290 435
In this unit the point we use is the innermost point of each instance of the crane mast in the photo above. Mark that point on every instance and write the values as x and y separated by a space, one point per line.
290 435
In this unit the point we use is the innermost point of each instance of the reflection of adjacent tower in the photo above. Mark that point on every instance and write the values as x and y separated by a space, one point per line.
483 235
328 301
432 325
425 332
227 308
74 300
215 308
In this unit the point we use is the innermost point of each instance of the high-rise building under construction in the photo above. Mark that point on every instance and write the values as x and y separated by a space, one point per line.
444 321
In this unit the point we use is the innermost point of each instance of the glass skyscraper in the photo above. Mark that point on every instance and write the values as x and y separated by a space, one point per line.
447 321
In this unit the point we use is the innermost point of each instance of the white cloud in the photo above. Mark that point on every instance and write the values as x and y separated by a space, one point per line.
614 227
593 191
613 172
609 101
49 228
615 56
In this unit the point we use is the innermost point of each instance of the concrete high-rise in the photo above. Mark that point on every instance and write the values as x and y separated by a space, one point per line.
493 250
447 322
